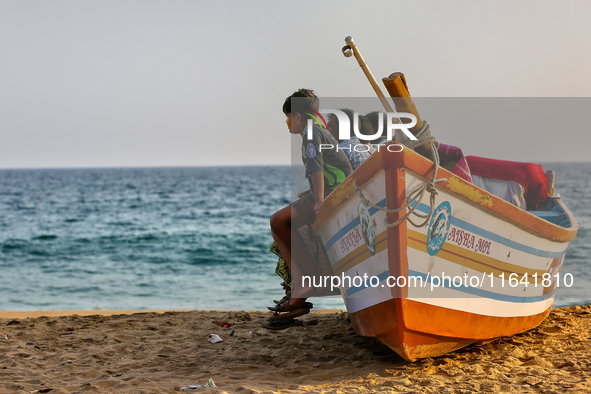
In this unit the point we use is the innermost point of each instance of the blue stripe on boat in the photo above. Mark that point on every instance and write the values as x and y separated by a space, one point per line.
350 226
464 289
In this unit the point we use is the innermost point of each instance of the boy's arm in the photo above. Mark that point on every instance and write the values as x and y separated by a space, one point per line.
318 182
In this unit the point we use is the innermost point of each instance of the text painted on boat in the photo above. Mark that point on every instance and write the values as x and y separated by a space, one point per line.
469 241
351 240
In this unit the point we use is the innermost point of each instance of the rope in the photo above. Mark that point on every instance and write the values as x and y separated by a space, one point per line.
415 196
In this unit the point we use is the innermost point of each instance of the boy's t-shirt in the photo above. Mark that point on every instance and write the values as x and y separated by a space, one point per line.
333 164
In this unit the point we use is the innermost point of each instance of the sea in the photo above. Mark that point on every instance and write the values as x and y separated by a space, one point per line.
178 238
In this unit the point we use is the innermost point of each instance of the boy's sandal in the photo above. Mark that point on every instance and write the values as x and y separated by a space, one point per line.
287 316
285 307
281 301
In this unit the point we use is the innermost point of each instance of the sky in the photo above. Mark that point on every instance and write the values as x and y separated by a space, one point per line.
197 83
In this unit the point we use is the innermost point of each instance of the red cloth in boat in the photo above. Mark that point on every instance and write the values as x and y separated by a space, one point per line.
531 176
452 158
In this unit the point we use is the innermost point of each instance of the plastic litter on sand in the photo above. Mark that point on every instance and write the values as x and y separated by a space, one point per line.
213 338
210 383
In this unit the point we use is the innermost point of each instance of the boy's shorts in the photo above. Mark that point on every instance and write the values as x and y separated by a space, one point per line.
304 206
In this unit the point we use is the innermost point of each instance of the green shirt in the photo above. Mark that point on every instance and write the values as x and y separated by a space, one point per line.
332 163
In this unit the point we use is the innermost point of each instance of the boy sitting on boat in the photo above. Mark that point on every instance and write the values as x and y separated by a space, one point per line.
325 170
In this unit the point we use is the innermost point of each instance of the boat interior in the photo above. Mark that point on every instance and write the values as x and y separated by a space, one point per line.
524 185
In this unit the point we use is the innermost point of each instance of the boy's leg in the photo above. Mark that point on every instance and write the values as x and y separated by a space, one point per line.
284 225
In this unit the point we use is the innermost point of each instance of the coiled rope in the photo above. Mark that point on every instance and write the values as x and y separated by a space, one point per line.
414 198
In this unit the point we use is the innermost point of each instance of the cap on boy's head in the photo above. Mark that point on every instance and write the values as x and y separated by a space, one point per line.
306 99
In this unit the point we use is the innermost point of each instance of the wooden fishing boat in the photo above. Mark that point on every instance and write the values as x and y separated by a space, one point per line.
503 261
515 255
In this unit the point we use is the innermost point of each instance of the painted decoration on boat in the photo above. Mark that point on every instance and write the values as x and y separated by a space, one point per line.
367 228
438 228
462 187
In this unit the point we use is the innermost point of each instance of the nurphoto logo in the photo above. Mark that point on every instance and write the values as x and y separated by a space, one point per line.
345 124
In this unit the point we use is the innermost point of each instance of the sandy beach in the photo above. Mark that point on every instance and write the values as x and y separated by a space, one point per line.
169 351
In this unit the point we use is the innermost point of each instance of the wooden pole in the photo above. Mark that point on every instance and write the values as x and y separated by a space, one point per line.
351 49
